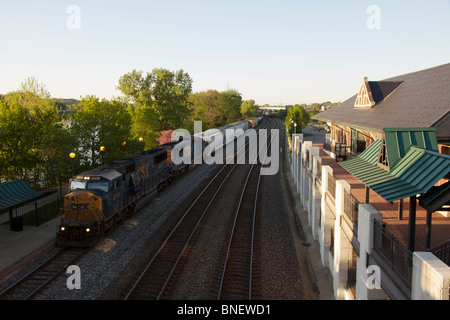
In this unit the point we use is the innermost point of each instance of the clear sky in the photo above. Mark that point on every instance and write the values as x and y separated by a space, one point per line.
270 51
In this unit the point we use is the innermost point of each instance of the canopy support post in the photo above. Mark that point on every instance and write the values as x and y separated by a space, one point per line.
412 223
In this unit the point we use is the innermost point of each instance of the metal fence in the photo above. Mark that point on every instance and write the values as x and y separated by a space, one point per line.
332 185
396 254
29 207
442 251
350 207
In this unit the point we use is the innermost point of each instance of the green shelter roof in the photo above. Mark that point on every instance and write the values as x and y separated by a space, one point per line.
414 165
16 192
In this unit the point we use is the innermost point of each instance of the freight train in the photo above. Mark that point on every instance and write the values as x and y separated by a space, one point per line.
102 198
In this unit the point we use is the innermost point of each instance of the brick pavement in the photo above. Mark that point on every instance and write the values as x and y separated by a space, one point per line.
440 225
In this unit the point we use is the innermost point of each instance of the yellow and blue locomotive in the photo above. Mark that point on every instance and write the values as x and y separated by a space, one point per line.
101 198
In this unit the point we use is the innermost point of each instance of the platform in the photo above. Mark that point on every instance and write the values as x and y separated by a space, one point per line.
17 248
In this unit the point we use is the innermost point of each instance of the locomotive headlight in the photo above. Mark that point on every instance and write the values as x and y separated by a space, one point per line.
88 229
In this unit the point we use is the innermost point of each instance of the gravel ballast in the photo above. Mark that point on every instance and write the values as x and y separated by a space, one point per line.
118 257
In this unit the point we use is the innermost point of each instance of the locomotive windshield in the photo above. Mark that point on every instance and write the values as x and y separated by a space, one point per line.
101 185
77 185
91 185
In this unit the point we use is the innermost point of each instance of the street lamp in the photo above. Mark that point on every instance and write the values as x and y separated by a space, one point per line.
141 139
72 156
123 145
102 151
295 126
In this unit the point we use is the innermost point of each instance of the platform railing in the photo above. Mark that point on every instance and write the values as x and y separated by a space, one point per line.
394 252
442 251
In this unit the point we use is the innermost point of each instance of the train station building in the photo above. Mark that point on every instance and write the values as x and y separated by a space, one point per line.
377 192
418 99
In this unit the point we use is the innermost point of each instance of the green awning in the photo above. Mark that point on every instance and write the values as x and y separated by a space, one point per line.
414 165
436 198
16 192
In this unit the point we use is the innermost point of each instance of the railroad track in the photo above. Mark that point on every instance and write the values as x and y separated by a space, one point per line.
39 278
240 274
156 277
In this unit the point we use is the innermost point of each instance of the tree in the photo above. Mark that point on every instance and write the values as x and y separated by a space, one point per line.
17 142
28 120
163 92
249 109
145 125
230 106
103 123
205 106
296 114
57 165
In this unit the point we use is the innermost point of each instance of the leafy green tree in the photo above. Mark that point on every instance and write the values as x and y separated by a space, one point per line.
57 165
230 106
163 92
145 125
205 106
214 108
296 114
103 123
17 142
27 116
249 109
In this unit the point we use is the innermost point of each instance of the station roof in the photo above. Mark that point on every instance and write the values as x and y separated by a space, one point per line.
15 193
419 99
413 163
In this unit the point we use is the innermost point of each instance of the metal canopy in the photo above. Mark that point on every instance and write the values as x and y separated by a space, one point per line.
437 198
16 192
414 165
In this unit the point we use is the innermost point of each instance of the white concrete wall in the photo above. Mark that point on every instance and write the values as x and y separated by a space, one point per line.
431 277
316 197
327 219
342 245
368 286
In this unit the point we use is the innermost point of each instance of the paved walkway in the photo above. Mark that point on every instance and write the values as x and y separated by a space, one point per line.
18 248
440 227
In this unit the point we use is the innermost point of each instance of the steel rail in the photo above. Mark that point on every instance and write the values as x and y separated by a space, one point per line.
42 267
180 221
253 225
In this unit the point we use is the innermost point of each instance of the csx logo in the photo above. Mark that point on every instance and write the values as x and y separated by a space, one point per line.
142 172
79 206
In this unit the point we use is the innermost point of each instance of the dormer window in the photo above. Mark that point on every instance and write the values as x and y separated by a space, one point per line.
382 157
372 93
364 98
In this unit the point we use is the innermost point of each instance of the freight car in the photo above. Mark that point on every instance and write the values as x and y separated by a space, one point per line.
253 121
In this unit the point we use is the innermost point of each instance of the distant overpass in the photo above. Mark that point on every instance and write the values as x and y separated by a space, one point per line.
270 109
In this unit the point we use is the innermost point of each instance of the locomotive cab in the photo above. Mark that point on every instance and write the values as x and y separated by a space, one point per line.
86 207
